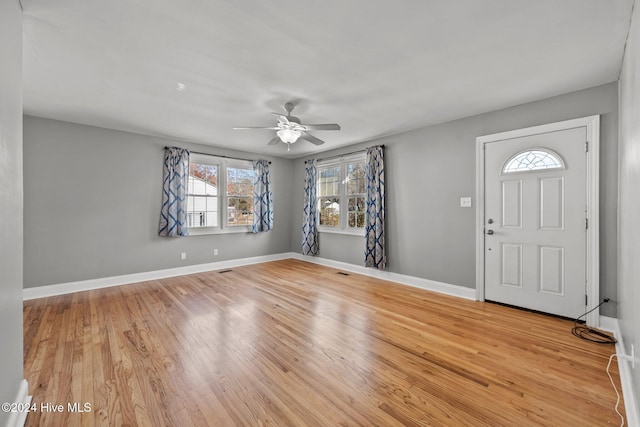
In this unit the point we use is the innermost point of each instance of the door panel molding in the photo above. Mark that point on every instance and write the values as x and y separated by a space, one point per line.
551 203
508 277
552 269
592 126
511 212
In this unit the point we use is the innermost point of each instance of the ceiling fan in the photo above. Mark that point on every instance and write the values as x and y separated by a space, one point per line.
289 128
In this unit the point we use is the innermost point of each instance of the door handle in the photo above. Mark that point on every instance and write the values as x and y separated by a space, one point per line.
489 232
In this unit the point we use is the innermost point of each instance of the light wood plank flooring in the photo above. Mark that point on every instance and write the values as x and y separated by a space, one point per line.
290 343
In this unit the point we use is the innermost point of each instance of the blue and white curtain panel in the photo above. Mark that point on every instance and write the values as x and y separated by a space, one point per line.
262 197
173 214
309 222
374 255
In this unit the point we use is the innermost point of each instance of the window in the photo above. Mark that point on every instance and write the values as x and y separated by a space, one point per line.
341 195
329 196
239 196
530 160
219 195
202 195
356 183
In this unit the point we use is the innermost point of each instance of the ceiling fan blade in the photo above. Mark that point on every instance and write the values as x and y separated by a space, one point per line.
274 141
270 128
312 139
328 126
282 118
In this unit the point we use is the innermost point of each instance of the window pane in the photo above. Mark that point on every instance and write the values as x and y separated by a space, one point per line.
212 180
202 179
240 211
355 178
202 200
240 182
533 160
329 183
356 212
202 211
329 208
240 196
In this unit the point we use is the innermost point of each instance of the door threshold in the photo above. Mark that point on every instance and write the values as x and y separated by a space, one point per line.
530 310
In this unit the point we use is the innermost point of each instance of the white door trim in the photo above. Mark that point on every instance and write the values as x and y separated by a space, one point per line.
592 124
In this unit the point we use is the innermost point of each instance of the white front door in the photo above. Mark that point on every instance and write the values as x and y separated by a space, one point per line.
535 211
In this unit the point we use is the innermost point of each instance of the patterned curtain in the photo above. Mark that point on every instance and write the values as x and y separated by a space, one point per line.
262 197
309 227
173 215
374 255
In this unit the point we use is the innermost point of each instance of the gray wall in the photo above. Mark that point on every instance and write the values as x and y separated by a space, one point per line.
92 204
427 171
92 199
10 202
629 201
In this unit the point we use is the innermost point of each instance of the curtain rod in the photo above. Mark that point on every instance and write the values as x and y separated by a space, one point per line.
345 154
218 155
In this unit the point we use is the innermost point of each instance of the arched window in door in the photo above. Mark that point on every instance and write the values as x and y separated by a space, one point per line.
533 159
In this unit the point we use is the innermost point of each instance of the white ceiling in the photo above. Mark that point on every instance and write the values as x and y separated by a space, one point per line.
376 67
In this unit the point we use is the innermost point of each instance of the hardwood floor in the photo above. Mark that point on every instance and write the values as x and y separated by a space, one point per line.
290 343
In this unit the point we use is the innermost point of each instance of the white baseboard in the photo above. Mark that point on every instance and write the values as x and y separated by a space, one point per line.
17 419
416 282
106 282
610 324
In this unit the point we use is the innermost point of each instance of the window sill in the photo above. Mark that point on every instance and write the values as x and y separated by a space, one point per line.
359 233
206 231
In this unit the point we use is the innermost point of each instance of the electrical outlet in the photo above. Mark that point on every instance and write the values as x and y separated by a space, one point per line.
183 256
215 252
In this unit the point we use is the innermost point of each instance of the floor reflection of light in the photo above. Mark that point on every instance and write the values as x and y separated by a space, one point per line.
342 342
216 342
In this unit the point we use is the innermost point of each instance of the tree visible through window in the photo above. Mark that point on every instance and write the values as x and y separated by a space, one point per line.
239 196
329 196
356 185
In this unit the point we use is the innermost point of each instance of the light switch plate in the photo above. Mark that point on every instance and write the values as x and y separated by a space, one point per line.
465 202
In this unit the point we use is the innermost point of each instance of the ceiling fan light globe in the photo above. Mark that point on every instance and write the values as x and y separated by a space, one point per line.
289 136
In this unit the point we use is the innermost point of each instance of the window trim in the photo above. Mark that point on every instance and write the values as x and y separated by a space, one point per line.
222 164
343 227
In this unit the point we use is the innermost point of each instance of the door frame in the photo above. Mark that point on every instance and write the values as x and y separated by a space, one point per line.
592 125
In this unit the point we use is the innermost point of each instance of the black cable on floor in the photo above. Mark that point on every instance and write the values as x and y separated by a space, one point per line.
591 334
